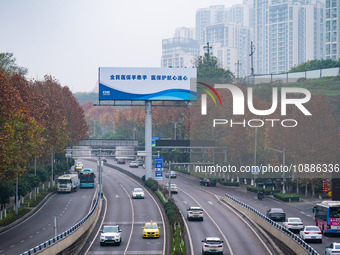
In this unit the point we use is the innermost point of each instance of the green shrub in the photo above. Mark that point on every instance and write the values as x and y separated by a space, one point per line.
227 183
267 191
288 197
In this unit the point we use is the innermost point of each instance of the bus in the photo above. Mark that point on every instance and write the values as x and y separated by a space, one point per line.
86 177
327 216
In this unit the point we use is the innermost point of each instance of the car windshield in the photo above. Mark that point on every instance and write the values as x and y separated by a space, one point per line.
110 229
213 242
294 220
276 210
64 181
312 229
195 209
138 190
151 226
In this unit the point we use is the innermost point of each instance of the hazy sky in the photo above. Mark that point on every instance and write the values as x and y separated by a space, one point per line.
70 39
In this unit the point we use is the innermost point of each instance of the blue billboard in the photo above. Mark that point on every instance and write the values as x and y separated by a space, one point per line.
120 83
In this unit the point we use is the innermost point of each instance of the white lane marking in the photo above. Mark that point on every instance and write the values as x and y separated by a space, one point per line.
38 232
185 202
232 209
119 252
28 217
30 236
308 215
44 228
117 195
189 235
303 212
159 209
100 227
12 246
129 222
22 241
219 229
133 219
1 251
210 203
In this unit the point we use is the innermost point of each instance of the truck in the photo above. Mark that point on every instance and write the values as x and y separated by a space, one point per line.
68 183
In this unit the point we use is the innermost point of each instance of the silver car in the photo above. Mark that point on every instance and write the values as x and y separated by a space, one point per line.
110 234
195 213
212 245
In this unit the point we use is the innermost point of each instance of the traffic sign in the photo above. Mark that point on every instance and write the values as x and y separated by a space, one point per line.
158 163
255 169
158 173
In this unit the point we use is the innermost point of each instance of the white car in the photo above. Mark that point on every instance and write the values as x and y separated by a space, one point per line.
138 193
195 213
293 224
133 164
311 233
172 174
333 249
110 234
173 187
212 245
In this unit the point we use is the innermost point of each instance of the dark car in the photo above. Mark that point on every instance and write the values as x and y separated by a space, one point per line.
208 182
276 214
267 183
120 161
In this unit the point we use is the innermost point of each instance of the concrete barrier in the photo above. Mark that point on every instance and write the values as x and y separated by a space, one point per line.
291 240
67 238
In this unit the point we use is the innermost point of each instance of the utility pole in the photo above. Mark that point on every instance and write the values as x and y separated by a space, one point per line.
207 48
252 50
238 68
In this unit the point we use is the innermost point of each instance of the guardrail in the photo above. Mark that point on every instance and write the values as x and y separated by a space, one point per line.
297 240
49 243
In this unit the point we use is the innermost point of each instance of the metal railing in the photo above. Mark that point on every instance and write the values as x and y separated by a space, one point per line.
281 228
292 76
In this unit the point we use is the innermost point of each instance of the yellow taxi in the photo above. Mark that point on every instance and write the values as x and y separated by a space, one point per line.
151 230
78 166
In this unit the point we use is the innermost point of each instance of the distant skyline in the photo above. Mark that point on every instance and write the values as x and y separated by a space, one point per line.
71 39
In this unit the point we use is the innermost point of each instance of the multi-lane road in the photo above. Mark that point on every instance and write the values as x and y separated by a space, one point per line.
131 215
220 220
223 222
68 208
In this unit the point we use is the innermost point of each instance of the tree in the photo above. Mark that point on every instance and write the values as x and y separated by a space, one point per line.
209 67
7 62
315 64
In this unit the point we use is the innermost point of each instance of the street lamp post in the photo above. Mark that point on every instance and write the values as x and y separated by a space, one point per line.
283 164
175 123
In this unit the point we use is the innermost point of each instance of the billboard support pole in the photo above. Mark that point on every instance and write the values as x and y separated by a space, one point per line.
148 140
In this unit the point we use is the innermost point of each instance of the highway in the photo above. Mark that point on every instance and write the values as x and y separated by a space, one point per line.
69 209
130 214
192 194
219 220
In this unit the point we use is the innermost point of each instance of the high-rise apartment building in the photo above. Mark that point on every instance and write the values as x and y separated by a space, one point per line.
229 34
332 29
287 33
181 50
